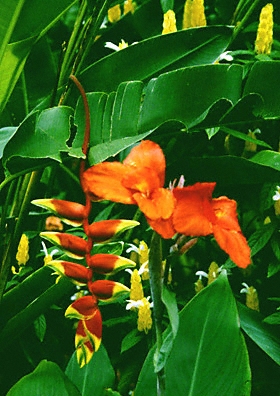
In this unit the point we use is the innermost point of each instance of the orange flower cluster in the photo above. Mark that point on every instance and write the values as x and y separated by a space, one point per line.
85 309
190 210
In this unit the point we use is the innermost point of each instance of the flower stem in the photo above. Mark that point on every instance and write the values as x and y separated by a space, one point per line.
155 271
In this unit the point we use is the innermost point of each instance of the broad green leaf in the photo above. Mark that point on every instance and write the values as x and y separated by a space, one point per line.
46 380
261 333
208 329
93 378
157 54
180 95
262 79
39 138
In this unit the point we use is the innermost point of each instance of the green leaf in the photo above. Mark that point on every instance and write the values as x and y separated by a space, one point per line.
273 319
9 13
157 54
208 329
40 325
260 238
39 138
267 158
93 378
131 339
28 21
262 79
261 333
46 380
5 135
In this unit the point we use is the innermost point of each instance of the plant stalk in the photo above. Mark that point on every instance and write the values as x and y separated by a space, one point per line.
155 271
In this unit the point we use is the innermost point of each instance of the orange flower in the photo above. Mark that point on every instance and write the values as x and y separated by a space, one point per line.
138 180
198 214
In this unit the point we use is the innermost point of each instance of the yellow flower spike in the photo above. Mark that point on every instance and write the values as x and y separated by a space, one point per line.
169 22
136 289
198 14
252 299
187 15
144 321
129 6
213 272
264 38
194 14
123 44
22 255
250 147
114 14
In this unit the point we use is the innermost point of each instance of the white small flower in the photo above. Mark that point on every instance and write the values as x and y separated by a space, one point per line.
201 274
245 288
226 56
276 197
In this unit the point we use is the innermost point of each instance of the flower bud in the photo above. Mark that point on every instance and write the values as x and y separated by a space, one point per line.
103 263
103 231
73 245
72 213
107 290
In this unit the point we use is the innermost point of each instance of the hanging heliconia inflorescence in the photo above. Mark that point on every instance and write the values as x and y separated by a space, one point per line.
85 309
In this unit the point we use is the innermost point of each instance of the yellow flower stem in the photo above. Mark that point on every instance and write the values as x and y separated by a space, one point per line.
244 19
155 271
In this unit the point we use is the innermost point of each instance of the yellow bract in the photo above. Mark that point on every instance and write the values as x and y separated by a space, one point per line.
144 322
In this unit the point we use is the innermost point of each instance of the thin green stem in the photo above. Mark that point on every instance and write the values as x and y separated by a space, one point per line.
155 272
73 43
240 26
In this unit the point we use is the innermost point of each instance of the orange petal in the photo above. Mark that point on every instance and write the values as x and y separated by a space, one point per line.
148 155
160 204
193 214
163 227
234 244
105 181
144 180
103 263
225 211
104 230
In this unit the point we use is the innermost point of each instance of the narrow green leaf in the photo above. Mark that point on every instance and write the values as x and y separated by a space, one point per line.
46 380
267 158
260 238
9 13
93 378
40 325
244 137
261 333
131 339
